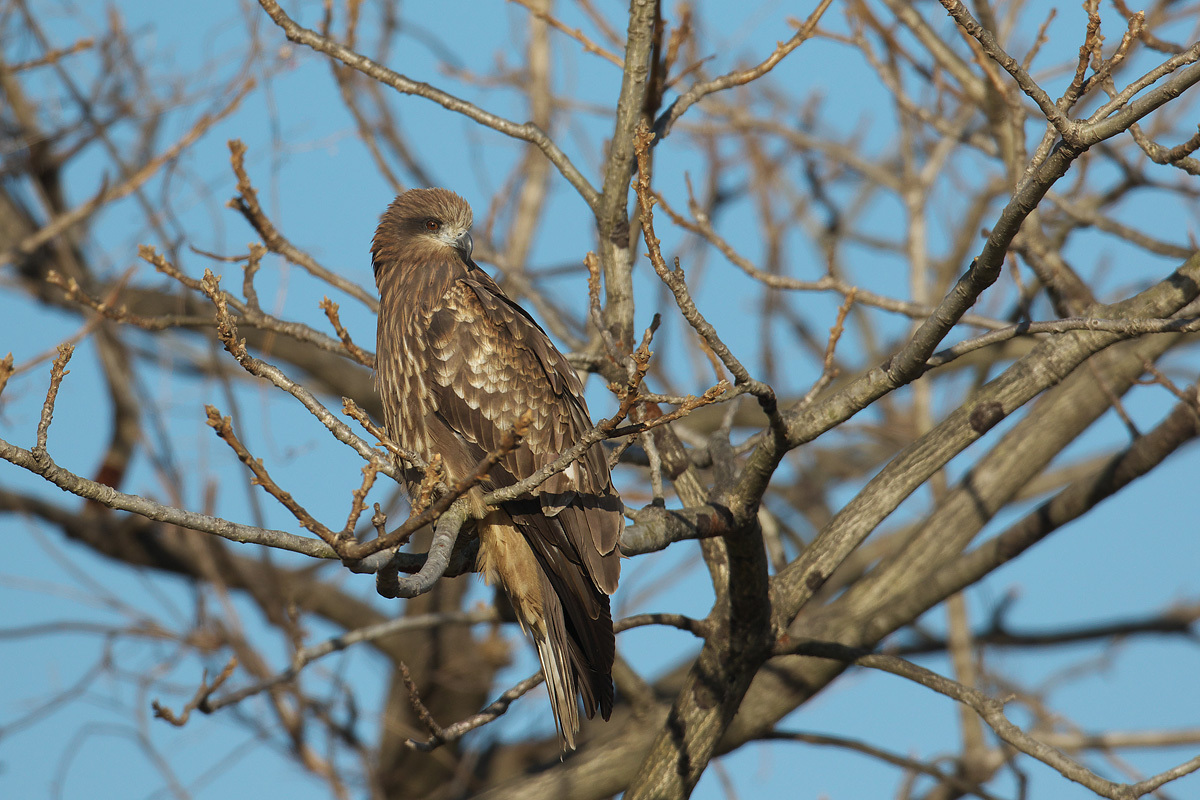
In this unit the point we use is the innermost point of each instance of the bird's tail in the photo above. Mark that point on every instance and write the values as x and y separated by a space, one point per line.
553 649
505 555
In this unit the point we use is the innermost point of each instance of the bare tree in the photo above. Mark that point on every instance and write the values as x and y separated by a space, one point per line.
752 421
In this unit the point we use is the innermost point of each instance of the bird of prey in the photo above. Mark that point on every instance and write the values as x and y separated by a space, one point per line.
457 364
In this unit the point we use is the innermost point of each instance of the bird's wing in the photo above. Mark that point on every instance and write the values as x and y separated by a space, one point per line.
490 363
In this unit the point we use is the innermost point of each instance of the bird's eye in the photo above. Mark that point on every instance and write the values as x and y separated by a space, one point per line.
432 225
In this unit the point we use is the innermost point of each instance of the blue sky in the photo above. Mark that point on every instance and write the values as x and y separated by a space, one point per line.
1134 556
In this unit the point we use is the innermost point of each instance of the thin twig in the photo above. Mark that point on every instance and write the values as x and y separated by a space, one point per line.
361 356
592 263
355 412
358 502
419 708
697 627
57 373
52 56
1177 156
253 264
452 733
199 700
829 371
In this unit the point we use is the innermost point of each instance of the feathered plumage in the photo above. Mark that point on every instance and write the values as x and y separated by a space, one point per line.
457 364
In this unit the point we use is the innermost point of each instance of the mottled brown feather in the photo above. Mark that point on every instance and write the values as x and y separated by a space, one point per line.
458 363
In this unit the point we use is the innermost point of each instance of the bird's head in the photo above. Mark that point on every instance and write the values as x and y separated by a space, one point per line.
423 227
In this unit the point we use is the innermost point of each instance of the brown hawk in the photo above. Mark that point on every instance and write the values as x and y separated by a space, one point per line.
457 364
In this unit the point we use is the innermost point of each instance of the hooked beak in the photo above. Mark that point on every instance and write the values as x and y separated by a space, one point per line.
464 245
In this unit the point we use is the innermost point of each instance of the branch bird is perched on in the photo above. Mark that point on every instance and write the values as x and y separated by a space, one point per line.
457 364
